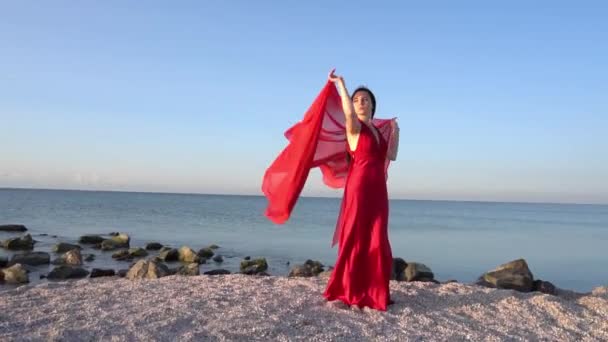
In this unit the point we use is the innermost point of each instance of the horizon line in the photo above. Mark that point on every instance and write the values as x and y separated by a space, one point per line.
304 196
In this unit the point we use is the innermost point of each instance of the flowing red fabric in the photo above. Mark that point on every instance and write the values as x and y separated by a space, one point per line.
319 140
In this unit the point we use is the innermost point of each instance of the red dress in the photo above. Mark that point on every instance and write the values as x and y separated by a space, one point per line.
363 269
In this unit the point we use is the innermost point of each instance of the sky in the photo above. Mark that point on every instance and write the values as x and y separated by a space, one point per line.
496 101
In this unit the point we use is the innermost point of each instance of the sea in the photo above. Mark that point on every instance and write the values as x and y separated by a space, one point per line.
566 244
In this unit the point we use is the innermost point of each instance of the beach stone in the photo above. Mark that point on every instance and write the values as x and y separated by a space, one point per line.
300 271
315 266
254 266
24 242
122 255
169 254
63 247
191 269
32 258
147 269
120 240
399 266
137 252
186 254
122 273
99 272
91 239
205 252
73 257
12 228
325 274
15 274
89 257
153 246
544 287
3 261
218 258
67 272
418 272
514 275
217 272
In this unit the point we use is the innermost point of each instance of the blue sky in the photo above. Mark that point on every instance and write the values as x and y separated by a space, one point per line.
496 101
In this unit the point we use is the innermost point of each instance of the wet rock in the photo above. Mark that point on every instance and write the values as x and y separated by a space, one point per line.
12 228
90 239
254 266
544 287
191 269
117 241
3 261
122 273
217 272
122 255
67 272
247 258
418 272
73 257
514 275
310 268
137 252
399 266
89 257
15 274
153 246
213 246
205 253
186 254
19 243
98 272
169 254
218 258
147 269
32 258
63 247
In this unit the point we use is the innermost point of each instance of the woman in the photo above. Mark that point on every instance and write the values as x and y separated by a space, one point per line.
363 268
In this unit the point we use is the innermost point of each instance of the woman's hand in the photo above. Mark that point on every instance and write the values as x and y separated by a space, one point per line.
333 77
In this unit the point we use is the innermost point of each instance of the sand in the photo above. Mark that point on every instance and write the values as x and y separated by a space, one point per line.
252 308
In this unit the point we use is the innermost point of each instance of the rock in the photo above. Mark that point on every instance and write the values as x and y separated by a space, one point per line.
63 247
15 274
308 269
514 275
32 258
191 269
218 258
67 272
170 254
205 253
300 271
154 246
247 258
254 266
146 269
90 239
186 254
114 234
25 242
1 276
89 257
73 257
122 273
122 255
399 266
3 261
217 272
544 287
416 271
137 252
98 272
325 274
116 241
12 228
214 246
315 266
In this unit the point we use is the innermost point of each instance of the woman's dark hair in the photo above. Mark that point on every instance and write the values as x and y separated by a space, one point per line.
371 95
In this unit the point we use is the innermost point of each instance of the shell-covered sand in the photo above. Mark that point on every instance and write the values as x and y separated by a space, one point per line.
240 307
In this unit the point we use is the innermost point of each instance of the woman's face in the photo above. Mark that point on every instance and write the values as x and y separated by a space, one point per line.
362 103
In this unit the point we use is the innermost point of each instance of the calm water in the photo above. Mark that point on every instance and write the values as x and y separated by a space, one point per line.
563 243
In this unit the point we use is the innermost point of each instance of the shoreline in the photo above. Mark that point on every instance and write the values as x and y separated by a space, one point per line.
242 307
